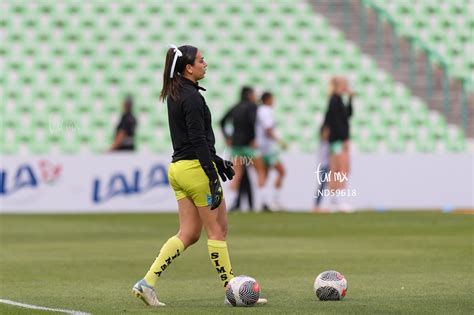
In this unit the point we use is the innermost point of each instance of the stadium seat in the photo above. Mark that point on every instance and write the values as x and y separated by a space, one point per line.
428 23
92 54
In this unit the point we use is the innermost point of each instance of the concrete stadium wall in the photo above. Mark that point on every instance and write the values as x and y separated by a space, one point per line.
138 183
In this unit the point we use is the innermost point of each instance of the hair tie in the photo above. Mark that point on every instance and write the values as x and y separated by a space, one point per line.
177 53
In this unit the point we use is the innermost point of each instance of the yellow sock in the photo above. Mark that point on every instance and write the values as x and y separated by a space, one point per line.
169 252
220 260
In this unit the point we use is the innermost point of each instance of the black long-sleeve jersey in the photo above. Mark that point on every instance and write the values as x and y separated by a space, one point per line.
243 117
337 118
128 124
190 125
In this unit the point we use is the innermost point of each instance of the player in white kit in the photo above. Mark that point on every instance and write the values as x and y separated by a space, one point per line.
268 143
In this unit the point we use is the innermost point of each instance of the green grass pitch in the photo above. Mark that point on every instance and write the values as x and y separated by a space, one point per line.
395 263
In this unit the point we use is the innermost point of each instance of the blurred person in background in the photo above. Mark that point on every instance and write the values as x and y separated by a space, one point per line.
242 140
125 132
193 173
337 119
245 190
323 166
268 143
244 185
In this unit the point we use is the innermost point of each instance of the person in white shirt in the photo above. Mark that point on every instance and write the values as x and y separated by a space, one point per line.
267 143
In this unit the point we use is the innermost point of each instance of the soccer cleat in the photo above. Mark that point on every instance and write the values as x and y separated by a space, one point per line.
266 208
146 293
272 207
276 206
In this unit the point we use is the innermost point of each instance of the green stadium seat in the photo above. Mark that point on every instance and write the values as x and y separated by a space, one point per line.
234 9
426 145
145 136
69 146
83 135
159 146
396 146
25 135
98 58
379 133
158 120
127 9
98 146
73 8
261 9
24 107
154 8
306 147
9 148
288 9
101 9
367 145
40 120
39 148
456 145
408 132
428 23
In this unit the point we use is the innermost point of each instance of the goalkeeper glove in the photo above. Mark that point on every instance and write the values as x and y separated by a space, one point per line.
214 185
224 168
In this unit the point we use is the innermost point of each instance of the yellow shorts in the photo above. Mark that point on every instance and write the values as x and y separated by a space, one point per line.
187 178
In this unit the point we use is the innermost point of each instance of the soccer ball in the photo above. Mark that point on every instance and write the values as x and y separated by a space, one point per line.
330 286
243 291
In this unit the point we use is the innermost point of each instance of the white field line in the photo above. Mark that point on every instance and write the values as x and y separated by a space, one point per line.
35 307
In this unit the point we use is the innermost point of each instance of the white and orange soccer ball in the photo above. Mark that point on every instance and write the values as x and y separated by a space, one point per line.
243 291
330 286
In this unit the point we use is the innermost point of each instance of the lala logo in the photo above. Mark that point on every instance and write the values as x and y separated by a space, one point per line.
136 182
26 176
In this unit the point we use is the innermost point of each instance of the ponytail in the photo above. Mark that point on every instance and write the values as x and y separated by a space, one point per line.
332 85
172 80
170 85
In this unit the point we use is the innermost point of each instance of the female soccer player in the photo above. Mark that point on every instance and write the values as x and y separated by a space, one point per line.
192 173
267 144
244 146
337 119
